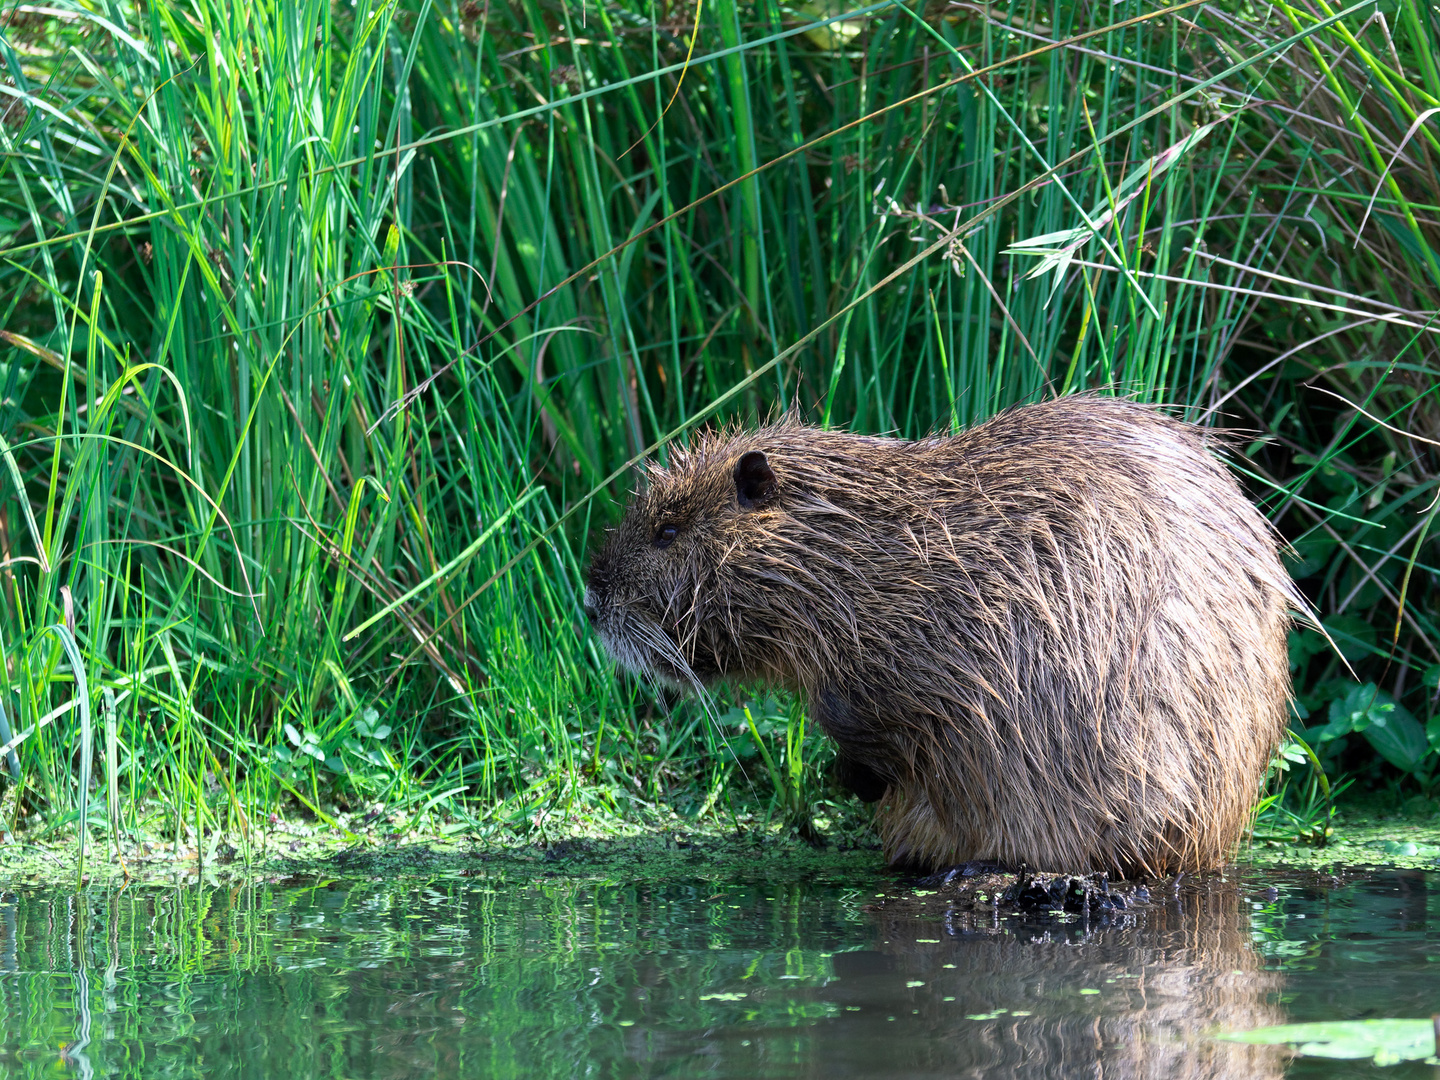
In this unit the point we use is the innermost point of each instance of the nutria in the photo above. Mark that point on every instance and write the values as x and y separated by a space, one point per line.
1056 639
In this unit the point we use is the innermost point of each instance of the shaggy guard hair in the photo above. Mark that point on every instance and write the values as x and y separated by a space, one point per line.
1057 639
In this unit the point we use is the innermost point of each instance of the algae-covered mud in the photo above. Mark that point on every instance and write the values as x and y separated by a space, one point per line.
658 851
684 954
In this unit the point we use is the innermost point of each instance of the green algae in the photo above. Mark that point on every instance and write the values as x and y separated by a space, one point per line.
610 851
1358 839
628 853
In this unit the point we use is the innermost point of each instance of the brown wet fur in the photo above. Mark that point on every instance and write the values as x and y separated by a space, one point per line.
1057 639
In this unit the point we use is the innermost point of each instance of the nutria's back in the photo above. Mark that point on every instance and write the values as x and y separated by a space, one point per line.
1057 638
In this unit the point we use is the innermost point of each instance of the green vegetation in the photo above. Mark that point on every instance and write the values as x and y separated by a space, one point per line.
331 332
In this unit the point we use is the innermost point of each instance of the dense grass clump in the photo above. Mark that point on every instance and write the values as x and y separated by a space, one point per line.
331 332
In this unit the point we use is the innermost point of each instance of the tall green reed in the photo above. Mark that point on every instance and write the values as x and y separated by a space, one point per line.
211 467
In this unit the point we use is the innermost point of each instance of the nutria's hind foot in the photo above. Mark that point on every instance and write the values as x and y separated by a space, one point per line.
1041 893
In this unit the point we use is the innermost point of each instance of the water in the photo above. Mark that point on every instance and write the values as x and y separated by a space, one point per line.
498 976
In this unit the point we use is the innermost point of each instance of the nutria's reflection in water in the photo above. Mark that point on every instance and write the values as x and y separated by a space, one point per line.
1168 974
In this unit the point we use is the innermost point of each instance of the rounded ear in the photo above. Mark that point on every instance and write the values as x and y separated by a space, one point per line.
755 483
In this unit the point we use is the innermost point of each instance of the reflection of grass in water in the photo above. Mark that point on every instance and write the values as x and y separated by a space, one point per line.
194 399
285 976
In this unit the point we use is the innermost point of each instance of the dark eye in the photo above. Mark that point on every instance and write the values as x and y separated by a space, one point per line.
665 535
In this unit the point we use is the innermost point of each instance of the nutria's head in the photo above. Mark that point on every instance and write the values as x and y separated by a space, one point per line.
665 591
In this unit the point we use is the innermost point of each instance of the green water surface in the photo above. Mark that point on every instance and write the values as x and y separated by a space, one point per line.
487 973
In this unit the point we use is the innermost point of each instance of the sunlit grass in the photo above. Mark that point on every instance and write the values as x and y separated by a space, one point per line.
329 328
